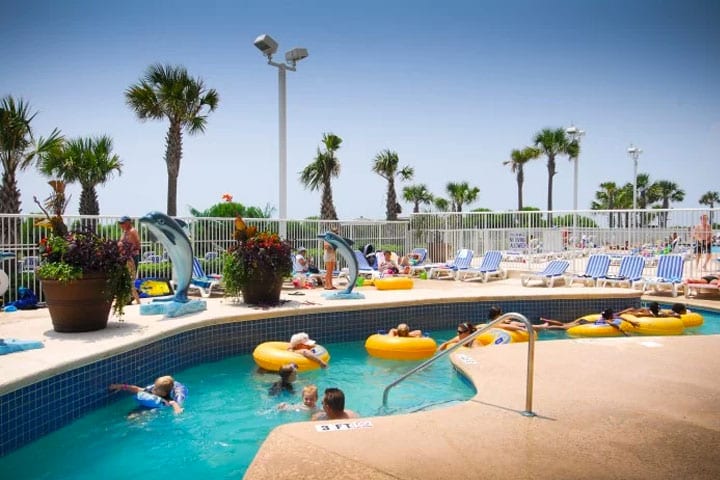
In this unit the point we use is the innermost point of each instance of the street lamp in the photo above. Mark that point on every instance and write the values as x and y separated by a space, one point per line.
634 153
575 134
268 46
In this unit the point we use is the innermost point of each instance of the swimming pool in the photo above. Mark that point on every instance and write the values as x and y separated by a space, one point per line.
203 443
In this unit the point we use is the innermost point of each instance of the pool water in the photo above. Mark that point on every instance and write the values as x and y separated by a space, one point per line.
229 414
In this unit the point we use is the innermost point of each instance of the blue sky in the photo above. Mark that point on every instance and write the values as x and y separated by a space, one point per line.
451 86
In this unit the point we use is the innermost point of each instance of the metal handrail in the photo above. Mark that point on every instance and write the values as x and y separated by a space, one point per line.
530 360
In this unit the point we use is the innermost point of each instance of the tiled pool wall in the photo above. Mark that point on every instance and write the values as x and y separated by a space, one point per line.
36 410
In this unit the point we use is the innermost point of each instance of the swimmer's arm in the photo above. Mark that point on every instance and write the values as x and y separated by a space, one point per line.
415 333
125 387
308 354
175 406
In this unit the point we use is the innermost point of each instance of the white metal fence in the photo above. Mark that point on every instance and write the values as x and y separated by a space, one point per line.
528 239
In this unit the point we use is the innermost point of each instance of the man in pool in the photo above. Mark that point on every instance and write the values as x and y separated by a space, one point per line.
334 406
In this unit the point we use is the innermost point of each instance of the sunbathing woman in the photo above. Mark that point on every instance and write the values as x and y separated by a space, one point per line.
707 279
607 316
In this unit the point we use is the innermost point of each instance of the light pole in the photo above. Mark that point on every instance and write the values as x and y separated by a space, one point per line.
634 153
268 46
575 134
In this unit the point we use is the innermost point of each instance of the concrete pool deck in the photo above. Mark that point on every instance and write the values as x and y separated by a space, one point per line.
637 407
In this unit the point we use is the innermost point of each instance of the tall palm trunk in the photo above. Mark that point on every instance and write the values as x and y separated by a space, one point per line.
520 181
327 208
88 201
391 201
9 193
172 159
551 174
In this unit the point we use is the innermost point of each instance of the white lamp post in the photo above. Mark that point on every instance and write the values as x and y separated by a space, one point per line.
575 134
634 153
268 46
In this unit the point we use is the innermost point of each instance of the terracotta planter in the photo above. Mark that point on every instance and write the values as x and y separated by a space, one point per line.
264 290
78 306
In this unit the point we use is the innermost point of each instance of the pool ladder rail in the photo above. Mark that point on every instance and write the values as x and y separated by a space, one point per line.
530 359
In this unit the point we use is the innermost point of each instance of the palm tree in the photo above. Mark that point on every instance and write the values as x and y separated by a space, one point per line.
518 159
710 199
319 174
88 161
551 143
386 165
170 92
607 199
460 194
417 194
668 192
18 148
441 204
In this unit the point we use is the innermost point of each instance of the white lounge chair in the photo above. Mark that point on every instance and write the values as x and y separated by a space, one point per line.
201 281
597 267
669 274
490 267
449 270
630 273
552 272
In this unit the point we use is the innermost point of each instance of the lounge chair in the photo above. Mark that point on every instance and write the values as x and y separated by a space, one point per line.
630 272
449 270
669 274
420 265
364 268
597 267
696 287
201 281
553 270
490 267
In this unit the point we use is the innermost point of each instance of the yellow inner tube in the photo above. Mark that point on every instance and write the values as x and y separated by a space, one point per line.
273 355
590 329
500 336
394 283
400 348
692 319
653 325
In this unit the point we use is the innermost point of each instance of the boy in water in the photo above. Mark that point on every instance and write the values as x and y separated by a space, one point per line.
162 387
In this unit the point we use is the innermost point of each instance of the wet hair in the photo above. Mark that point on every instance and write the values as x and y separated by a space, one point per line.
654 308
466 327
335 399
494 312
310 390
287 370
163 386
679 308
608 314
403 330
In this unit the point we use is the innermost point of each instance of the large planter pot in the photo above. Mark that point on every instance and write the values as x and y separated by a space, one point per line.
264 289
80 305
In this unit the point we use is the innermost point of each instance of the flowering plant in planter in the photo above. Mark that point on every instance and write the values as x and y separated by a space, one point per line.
70 255
258 259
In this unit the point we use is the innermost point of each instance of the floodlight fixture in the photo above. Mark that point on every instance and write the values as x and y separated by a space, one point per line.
267 45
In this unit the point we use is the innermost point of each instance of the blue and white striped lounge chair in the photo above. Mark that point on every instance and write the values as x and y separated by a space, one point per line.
490 267
597 267
364 268
201 281
449 270
553 270
420 265
669 274
630 272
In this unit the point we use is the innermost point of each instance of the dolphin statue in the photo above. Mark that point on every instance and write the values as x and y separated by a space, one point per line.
169 232
343 246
